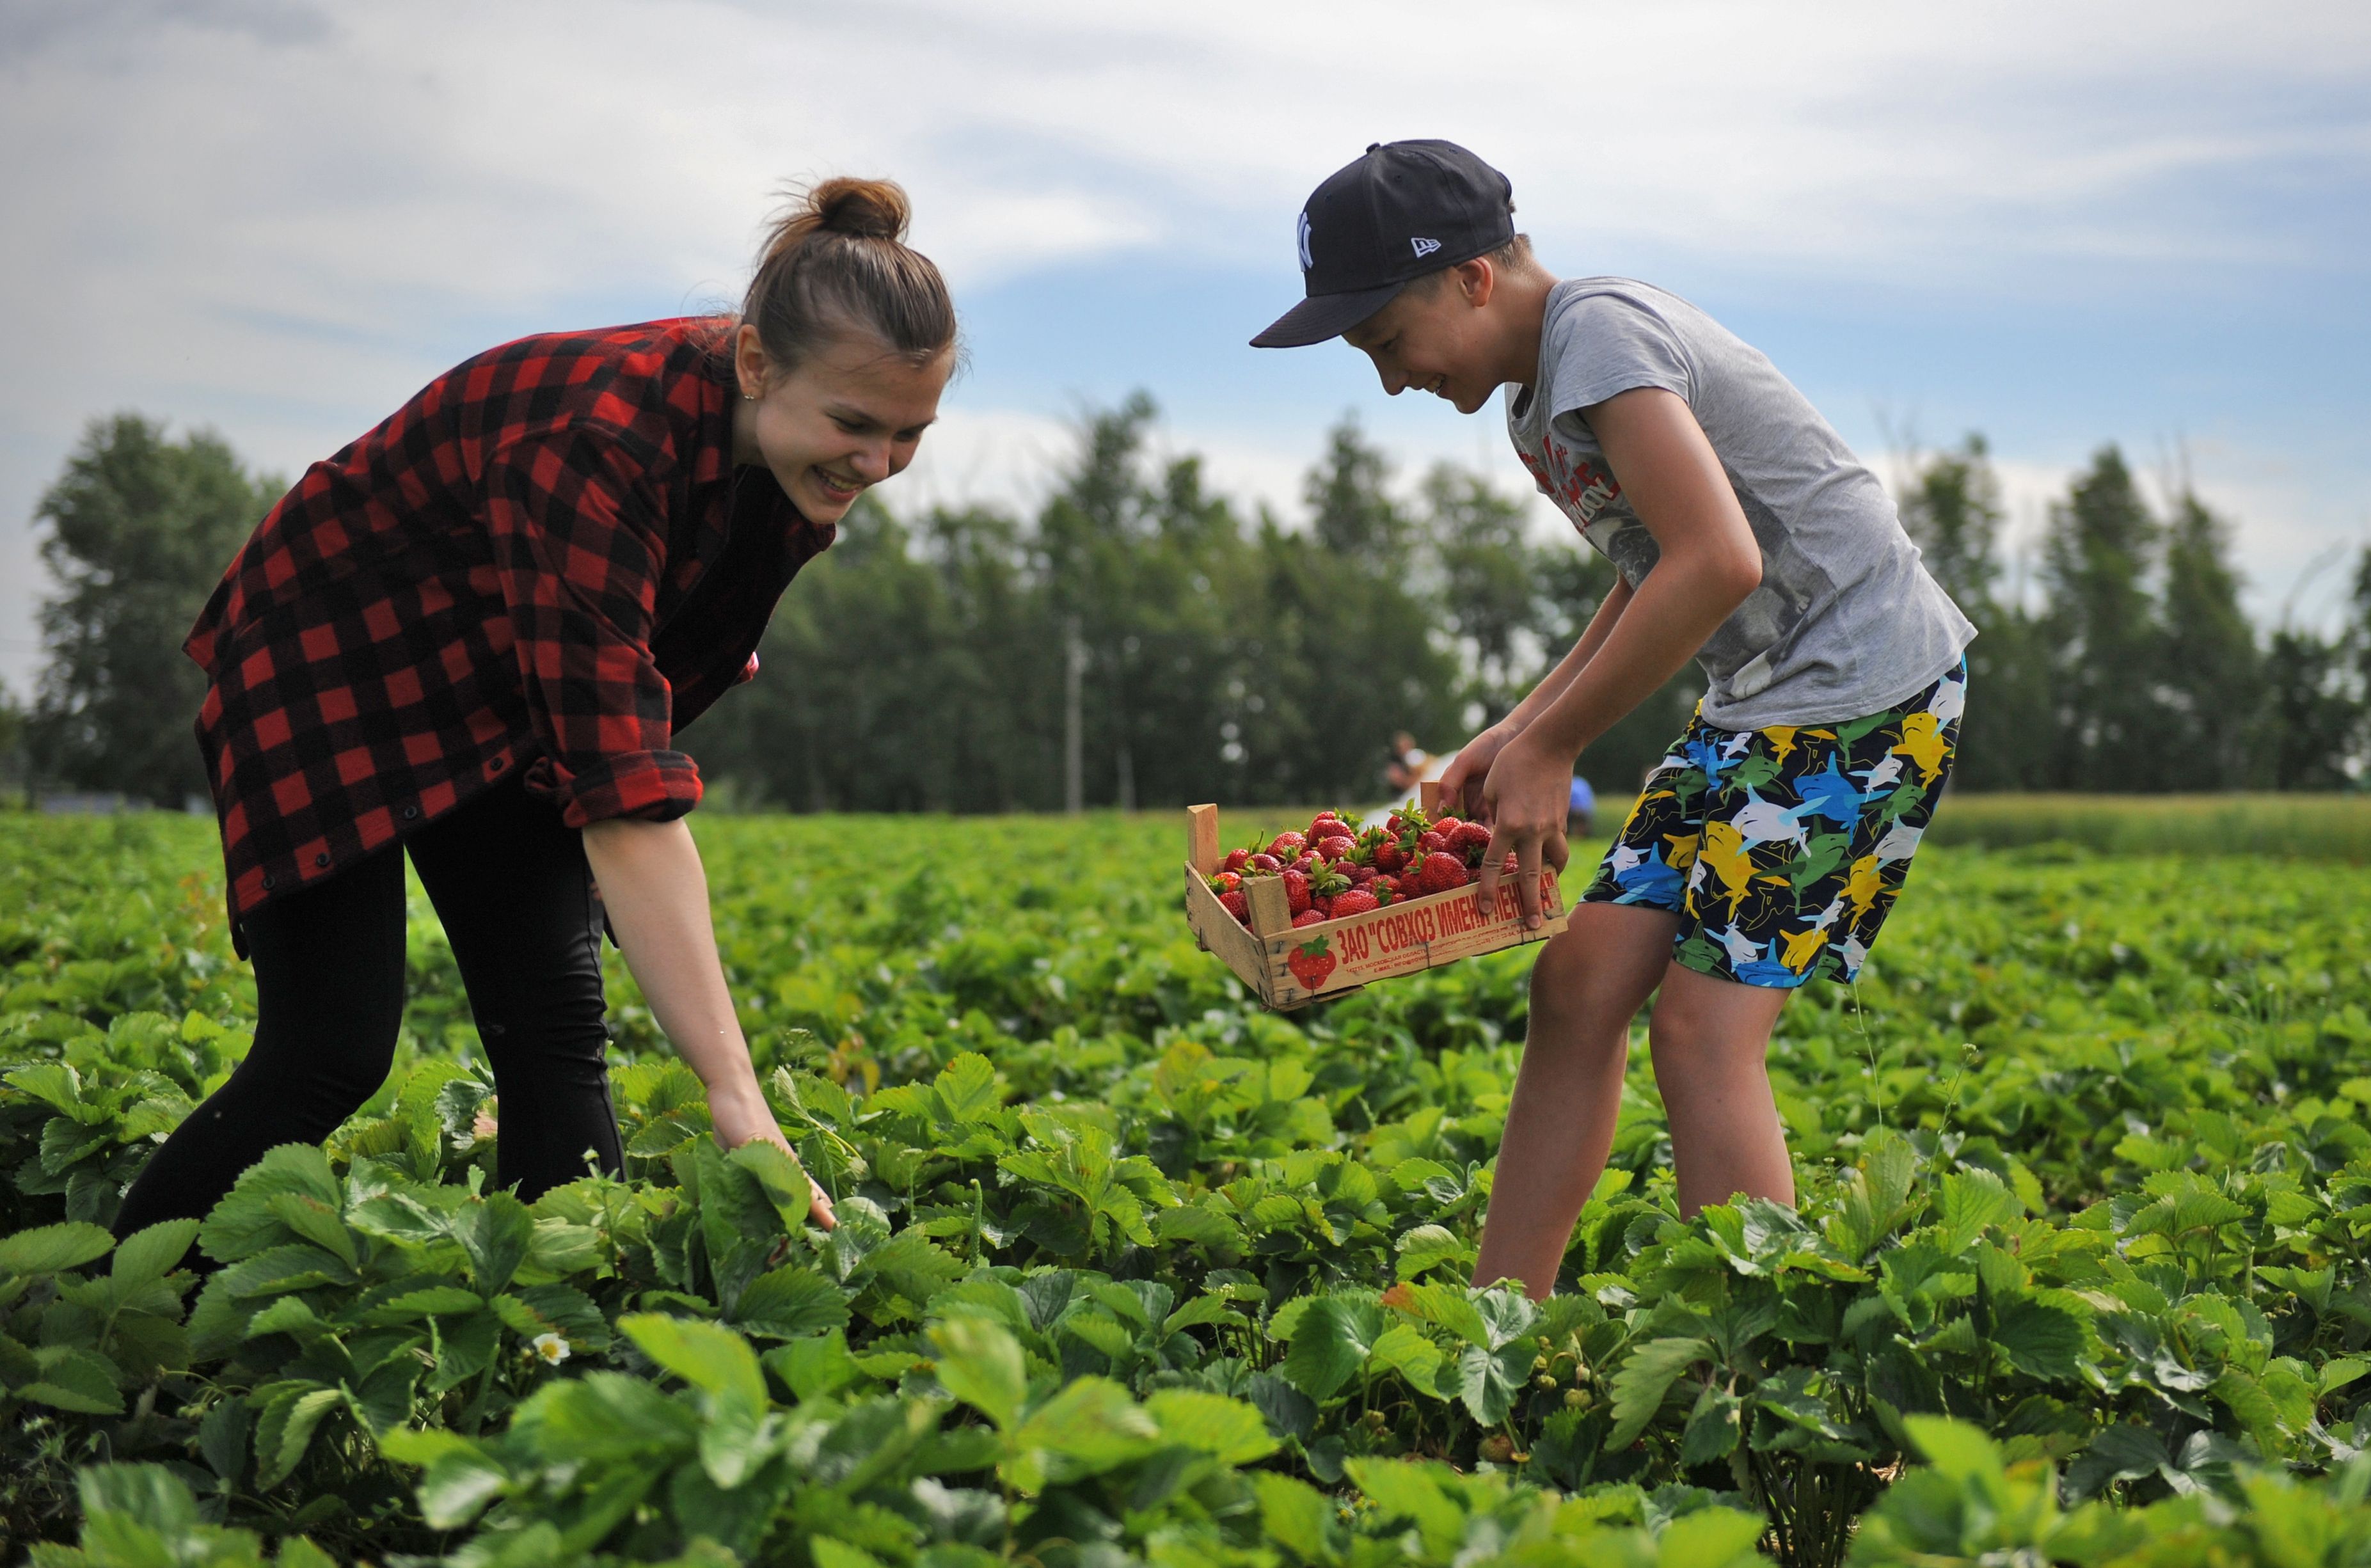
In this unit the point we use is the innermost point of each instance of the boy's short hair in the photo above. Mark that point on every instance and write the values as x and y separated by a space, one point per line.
1515 256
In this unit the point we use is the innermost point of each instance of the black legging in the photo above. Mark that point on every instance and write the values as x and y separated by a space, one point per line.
510 884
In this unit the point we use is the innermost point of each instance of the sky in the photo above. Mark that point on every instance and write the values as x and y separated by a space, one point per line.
2059 225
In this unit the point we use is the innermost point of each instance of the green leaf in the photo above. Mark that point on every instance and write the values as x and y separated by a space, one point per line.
1488 1380
1645 1376
779 1176
456 1487
291 1413
1330 1343
2040 1340
608 1417
496 1232
815 1368
1091 1423
1712 1430
981 1365
244 1223
789 1303
1445 1304
966 1088
78 1380
1428 1247
1958 1450
148 1495
1710 1538
152 1253
53 1247
1296 1515
708 1357
1969 1202
1211 1423
1406 1349
314 1221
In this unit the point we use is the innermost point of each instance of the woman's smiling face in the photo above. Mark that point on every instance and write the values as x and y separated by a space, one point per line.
842 419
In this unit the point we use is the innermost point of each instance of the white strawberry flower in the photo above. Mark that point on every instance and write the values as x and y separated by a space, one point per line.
551 1347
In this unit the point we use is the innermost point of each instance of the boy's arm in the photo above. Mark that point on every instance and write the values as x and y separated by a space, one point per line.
1708 565
1461 781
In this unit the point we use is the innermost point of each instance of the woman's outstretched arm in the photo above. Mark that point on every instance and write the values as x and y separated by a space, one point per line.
656 893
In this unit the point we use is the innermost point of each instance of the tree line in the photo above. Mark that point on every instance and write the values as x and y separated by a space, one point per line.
1143 642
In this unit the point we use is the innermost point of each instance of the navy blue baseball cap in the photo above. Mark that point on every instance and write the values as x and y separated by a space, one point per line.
1402 210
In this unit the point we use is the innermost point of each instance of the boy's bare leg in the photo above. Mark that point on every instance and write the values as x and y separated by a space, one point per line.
1711 1043
1590 981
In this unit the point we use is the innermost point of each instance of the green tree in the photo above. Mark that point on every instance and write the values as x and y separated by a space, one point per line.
2311 716
139 529
2102 632
1491 583
1351 508
2211 673
1952 510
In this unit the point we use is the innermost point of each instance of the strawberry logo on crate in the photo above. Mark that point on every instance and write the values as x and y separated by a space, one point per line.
1310 963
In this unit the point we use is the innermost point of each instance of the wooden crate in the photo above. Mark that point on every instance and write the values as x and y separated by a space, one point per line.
1290 968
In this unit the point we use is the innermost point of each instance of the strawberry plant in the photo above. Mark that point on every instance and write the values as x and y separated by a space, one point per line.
1133 1269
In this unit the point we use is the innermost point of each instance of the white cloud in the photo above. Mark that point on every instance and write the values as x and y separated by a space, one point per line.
280 218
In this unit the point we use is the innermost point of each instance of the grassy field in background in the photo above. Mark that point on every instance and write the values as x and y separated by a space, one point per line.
2332 828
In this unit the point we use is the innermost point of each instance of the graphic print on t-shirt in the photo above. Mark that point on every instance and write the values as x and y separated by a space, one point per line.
1740 650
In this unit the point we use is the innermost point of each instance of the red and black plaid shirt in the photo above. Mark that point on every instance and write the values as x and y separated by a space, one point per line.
546 561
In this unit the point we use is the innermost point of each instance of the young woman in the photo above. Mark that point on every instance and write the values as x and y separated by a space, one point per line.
473 636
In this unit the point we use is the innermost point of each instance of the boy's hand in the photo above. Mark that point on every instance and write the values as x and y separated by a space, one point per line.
1523 800
1470 767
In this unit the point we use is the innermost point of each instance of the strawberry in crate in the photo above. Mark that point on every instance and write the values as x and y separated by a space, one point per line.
1336 869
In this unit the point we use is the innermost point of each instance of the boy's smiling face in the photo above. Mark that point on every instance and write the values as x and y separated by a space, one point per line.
1439 335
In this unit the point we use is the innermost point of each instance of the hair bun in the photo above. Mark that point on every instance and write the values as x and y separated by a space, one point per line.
868 209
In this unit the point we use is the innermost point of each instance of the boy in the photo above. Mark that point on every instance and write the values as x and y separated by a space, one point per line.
1769 844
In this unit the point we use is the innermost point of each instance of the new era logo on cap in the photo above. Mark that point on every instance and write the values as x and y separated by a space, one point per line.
1440 200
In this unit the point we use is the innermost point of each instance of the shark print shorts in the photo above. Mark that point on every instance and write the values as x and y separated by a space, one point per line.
1781 849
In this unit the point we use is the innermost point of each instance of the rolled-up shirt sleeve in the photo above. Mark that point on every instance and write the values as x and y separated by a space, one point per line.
580 545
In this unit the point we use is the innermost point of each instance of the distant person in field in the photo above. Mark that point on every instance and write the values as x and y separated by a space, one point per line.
1580 809
476 634
1769 845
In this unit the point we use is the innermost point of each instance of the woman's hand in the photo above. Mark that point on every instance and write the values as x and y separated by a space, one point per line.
1463 776
1523 799
743 1116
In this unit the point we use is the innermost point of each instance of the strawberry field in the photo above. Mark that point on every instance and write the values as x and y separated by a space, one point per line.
1132 1270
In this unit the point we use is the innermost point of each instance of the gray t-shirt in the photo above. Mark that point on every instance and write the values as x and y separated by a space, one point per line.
1846 621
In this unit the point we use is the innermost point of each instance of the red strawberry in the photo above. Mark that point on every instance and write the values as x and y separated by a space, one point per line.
1440 872
1359 875
1309 917
1511 865
1358 901
1338 847
1237 860
1225 881
1296 891
1467 841
1264 863
1430 842
1385 888
1237 906
1390 856
1287 846
1325 826
1446 825
1310 963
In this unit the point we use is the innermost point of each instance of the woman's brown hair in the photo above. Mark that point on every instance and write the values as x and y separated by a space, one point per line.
836 261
